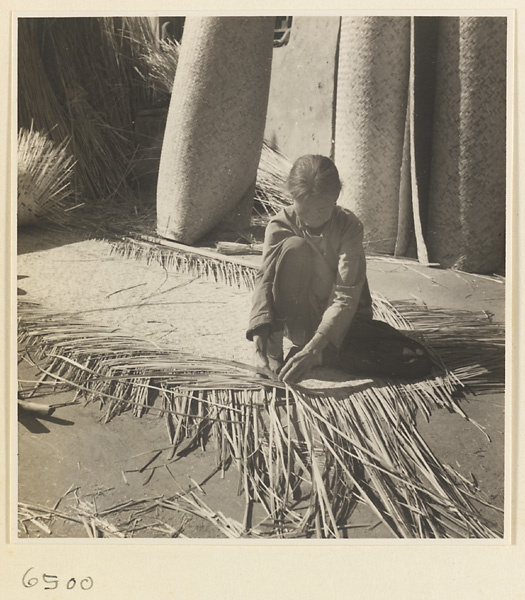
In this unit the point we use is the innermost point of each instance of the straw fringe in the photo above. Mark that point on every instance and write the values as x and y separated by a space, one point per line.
288 444
223 270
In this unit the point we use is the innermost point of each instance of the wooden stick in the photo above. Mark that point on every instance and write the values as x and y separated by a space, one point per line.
33 407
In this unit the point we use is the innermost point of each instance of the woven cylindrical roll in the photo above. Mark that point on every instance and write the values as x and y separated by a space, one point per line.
467 201
372 88
214 131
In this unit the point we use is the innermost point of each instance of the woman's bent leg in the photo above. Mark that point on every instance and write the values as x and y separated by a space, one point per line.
291 290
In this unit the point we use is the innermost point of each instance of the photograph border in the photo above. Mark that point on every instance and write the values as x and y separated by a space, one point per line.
17 548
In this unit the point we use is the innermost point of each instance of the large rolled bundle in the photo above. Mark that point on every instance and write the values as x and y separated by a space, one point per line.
467 201
372 88
214 131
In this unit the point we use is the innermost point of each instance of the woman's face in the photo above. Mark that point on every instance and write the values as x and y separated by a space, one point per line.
316 211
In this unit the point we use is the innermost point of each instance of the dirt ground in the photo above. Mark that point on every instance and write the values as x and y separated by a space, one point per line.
74 457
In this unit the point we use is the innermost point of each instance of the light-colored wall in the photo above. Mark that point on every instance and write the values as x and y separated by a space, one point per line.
301 103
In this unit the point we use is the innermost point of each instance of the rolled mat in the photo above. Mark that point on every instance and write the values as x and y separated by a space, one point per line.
466 227
215 125
373 72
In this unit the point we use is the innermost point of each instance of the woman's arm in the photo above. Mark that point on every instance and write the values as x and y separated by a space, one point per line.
350 279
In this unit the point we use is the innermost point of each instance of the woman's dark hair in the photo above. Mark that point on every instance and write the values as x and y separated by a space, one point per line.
313 175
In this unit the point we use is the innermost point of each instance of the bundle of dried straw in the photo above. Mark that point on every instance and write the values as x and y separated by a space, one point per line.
84 79
44 178
270 193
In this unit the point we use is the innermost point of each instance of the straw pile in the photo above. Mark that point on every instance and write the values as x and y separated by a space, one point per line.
307 457
84 79
273 170
161 60
127 519
44 178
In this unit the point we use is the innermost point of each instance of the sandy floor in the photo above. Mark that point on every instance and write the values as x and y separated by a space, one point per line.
145 301
75 450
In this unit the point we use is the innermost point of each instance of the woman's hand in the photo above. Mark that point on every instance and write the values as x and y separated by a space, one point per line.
299 365
260 340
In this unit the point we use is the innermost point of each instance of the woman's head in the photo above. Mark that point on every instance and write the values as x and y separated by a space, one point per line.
314 186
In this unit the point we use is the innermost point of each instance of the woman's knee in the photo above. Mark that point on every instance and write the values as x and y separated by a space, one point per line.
295 259
292 277
297 248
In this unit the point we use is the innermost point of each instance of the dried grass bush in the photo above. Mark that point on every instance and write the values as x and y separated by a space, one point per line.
270 193
161 61
45 171
84 79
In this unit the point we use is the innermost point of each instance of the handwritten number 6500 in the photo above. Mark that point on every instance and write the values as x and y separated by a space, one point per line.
52 581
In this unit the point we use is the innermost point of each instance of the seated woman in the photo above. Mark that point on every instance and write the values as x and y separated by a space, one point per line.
312 287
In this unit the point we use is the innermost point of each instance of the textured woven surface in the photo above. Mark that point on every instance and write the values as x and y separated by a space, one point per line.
215 125
467 202
372 92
